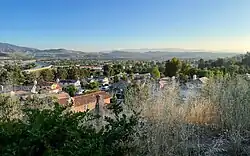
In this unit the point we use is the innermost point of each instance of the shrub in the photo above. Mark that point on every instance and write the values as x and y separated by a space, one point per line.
61 132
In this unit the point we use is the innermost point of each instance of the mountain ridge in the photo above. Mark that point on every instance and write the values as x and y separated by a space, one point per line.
143 53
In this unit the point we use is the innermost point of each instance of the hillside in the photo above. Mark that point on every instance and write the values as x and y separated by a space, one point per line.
10 48
143 54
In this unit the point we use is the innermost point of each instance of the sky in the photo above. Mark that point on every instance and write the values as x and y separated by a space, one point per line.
99 25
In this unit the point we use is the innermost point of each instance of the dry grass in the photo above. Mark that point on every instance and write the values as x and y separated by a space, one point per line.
214 123
202 111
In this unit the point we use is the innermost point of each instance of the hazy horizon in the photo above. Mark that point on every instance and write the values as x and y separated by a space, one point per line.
98 25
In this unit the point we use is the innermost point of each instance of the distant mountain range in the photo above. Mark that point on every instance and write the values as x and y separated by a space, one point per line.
144 54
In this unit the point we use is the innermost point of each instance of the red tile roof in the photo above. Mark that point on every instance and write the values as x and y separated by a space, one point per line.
63 101
62 95
89 98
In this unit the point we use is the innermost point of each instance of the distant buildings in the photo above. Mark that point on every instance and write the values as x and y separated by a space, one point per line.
37 69
92 67
65 83
83 102
119 86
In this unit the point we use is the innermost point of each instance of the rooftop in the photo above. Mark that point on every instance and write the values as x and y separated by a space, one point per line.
68 81
89 98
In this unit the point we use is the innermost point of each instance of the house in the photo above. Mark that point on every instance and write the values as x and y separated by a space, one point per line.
197 82
63 98
88 101
19 93
164 81
49 87
55 88
103 80
203 80
120 86
65 83
83 102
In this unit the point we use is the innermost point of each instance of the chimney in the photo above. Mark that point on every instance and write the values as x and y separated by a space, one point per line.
99 110
99 105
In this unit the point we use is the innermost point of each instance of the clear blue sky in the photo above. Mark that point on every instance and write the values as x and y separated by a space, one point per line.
92 25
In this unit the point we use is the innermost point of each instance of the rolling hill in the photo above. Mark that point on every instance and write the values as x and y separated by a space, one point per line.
7 49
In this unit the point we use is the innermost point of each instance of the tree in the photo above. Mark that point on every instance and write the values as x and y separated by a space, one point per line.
201 64
106 70
204 73
47 75
118 68
61 73
73 73
218 73
155 72
71 90
233 69
12 74
84 73
193 71
29 78
124 77
116 79
172 67
93 85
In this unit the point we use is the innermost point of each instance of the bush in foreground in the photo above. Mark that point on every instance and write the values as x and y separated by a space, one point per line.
60 132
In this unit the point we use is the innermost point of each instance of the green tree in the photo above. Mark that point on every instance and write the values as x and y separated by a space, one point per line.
71 90
185 69
124 77
93 85
172 67
106 70
204 73
201 64
29 78
84 73
233 69
116 79
61 73
155 73
218 73
73 73
47 75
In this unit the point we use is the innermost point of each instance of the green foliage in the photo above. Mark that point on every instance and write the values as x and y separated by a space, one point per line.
73 73
29 78
29 66
62 73
124 77
47 75
93 85
155 73
84 73
11 74
71 90
201 64
58 131
106 70
185 69
116 79
172 67
204 73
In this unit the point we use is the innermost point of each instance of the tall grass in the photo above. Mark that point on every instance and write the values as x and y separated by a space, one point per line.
215 122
